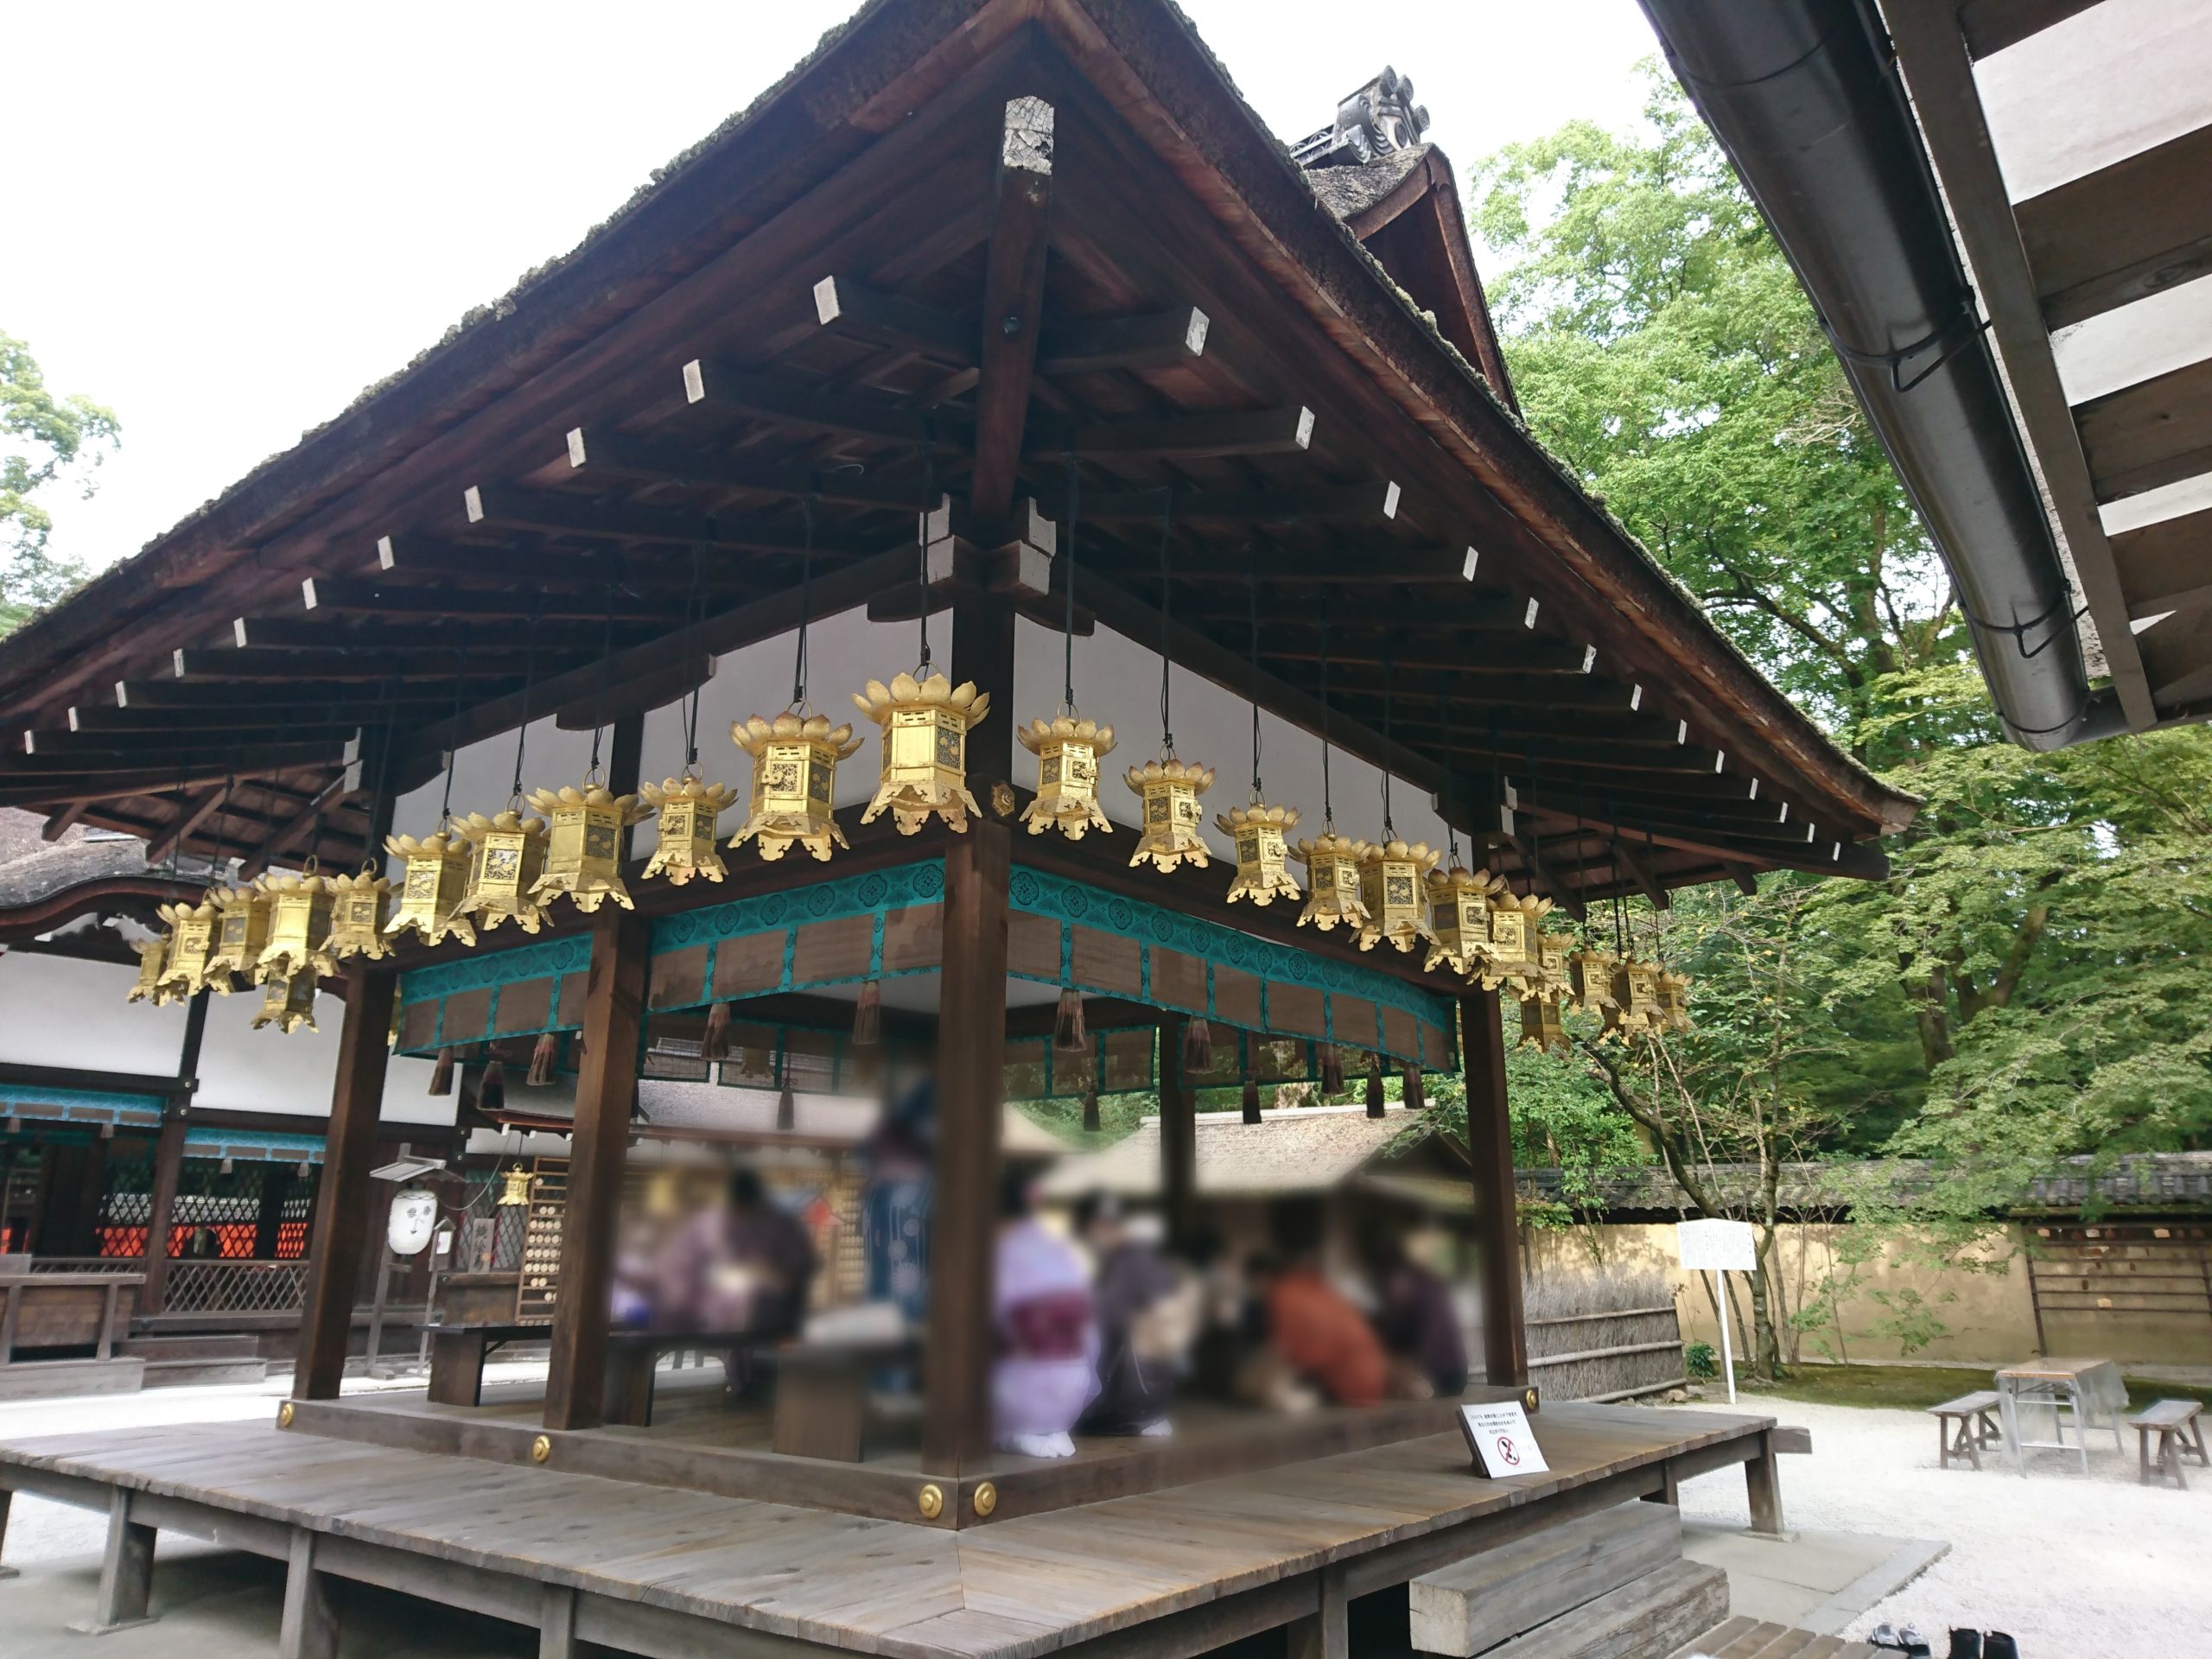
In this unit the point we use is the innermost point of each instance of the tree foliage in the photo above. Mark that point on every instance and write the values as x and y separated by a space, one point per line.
44 436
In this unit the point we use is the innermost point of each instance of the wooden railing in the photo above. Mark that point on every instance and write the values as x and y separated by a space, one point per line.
236 1287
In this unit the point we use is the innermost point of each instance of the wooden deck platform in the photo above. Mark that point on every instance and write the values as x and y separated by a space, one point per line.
667 1571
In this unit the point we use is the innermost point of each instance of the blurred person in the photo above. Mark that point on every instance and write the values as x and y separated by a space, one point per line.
743 1267
1046 1371
895 1205
1414 1315
1147 1317
1316 1335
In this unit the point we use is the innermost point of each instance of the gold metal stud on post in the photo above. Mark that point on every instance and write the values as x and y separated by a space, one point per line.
688 807
924 769
1170 790
931 1501
794 781
584 844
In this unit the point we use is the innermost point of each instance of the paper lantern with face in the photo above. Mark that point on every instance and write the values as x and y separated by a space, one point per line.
414 1220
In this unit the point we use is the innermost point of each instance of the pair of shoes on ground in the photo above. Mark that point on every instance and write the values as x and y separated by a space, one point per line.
1965 1644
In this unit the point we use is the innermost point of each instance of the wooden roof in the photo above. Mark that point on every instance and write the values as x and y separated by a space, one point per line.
823 302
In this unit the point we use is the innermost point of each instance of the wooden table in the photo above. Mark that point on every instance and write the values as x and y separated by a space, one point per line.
2090 1391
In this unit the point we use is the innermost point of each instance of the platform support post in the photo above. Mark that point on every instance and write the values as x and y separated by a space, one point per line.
1497 1224
556 1624
126 1571
341 1211
309 1627
1325 1634
6 1497
1763 1483
607 1091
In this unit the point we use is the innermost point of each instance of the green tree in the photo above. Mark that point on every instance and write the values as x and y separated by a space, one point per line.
45 435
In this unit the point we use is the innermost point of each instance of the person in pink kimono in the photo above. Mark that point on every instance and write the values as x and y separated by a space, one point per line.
1046 1371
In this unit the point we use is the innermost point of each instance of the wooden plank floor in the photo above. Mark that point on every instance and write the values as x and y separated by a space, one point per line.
1011 1590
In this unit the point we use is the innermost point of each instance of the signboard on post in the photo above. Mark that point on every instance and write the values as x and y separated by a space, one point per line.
1718 1246
1499 1436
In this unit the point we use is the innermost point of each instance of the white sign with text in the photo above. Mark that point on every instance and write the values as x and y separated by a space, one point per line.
1716 1246
1499 1436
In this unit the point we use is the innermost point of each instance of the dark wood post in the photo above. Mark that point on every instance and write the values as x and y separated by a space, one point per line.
1178 1135
1497 1224
342 1211
169 1161
607 1091
269 1214
971 1092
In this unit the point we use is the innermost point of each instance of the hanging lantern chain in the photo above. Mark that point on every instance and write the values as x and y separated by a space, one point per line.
922 556
692 612
605 650
1451 829
452 737
1328 807
1067 625
1166 721
1252 582
1389 830
806 603
528 685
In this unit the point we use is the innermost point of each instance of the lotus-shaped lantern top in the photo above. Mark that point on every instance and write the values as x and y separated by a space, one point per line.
880 702
1404 852
476 826
361 882
441 844
1065 728
754 735
714 797
276 882
548 801
1331 845
1258 815
1442 884
1171 771
175 915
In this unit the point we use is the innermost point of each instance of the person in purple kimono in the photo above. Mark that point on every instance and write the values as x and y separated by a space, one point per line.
1047 1366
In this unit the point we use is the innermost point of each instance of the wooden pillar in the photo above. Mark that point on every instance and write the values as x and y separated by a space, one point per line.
607 1091
6 1497
308 1627
1178 1135
1763 1484
1497 1228
1325 1634
971 1092
625 754
269 1212
342 1209
169 1159
126 1570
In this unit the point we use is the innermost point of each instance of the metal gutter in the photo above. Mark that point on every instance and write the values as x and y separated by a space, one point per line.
1804 97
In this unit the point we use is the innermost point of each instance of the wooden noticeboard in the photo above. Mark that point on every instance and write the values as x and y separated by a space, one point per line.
541 1241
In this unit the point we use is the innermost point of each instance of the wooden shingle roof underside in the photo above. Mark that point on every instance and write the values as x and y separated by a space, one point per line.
656 411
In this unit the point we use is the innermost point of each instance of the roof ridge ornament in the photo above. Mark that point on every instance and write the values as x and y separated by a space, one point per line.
1378 119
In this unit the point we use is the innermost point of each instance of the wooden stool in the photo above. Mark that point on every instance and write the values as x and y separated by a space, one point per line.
1976 1427
2176 1424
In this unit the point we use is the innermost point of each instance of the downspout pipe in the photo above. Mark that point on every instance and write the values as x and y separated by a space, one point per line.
1805 97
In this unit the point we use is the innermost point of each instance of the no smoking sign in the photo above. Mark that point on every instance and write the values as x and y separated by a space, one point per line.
1503 1443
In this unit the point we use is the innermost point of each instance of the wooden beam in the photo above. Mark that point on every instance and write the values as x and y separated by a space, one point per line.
1182 437
58 825
115 753
1490 1150
607 1092
486 660
2123 232
341 1211
1158 340
598 454
262 718
1991 25
1569 898
335 596
295 829
971 1091
447 561
787 400
1531 655
1370 503
852 307
1640 871
320 638
574 515
215 698
1745 877
1014 305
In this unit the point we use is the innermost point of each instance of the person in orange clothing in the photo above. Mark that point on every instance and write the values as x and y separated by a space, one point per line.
1314 1332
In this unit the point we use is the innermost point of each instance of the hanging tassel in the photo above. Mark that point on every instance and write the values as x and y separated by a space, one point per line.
1374 1088
1416 1099
542 1059
1090 1111
786 1107
1198 1047
441 1073
491 1092
1332 1070
713 1044
867 1016
1251 1099
1069 1035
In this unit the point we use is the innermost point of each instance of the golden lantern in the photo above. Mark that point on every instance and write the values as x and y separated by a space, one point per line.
288 1004
241 934
1512 925
1540 1024
1394 886
925 767
584 844
299 927
153 956
1636 996
1170 790
1550 955
1068 749
507 856
359 906
1590 979
431 891
1672 992
1332 892
514 1187
1458 918
1261 856
192 937
794 780
688 807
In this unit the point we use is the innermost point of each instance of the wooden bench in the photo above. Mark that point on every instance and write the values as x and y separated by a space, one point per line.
2179 1429
1975 1427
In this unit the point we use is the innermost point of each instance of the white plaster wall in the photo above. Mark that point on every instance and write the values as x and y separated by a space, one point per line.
244 1070
59 1011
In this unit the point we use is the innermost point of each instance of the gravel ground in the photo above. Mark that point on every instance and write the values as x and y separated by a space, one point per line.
2073 1567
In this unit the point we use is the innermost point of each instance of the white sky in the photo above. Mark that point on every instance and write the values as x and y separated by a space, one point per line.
237 216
